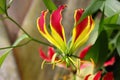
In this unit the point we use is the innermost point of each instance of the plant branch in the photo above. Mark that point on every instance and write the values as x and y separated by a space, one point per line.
15 46
38 41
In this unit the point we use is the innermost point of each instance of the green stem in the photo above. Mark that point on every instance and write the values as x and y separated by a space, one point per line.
75 56
72 63
15 46
38 41
74 77
18 26
26 32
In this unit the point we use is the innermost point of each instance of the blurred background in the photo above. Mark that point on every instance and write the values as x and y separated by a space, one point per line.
24 63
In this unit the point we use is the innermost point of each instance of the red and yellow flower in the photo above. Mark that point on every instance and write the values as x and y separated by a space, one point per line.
80 33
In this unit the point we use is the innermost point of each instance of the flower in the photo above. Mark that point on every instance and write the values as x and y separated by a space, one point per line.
80 33
50 53
97 76
110 62
88 67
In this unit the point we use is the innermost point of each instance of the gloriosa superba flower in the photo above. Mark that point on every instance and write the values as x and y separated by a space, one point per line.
80 33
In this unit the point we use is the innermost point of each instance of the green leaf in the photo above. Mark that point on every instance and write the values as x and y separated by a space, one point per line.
118 45
99 51
101 26
112 19
3 7
111 22
111 7
112 26
50 5
94 6
2 58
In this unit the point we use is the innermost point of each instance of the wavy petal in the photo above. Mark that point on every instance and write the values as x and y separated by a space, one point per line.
57 29
81 31
41 25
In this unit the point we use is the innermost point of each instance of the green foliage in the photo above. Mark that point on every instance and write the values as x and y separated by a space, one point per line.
118 44
2 58
111 22
99 51
3 9
112 7
50 5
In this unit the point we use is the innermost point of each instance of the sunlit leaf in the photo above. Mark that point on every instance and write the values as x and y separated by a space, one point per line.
112 19
98 51
111 7
3 7
118 45
2 58
111 22
50 5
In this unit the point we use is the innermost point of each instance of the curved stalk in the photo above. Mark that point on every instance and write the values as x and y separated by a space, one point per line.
33 39
15 46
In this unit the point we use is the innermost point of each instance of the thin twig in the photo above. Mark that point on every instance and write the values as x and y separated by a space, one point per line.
35 40
15 46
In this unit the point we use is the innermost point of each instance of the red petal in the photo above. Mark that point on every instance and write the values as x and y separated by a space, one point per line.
51 52
41 21
108 76
110 62
84 51
86 78
56 18
81 26
42 54
97 76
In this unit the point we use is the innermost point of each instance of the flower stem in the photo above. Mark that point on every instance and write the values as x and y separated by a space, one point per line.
33 39
74 77
18 26
15 46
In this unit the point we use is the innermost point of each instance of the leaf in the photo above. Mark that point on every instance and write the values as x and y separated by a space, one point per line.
101 26
111 22
112 26
94 6
2 58
3 7
112 19
98 51
50 5
111 7
9 3
118 44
